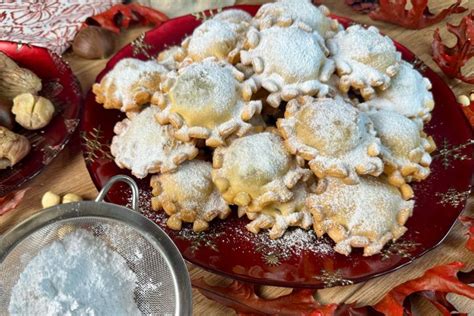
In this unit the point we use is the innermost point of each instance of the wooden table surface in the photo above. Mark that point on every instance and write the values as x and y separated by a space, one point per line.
67 173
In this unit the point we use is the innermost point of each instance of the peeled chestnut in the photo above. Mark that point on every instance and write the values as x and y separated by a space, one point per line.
94 42
7 119
32 112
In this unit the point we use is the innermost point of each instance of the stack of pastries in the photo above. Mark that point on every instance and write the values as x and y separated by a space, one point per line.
286 118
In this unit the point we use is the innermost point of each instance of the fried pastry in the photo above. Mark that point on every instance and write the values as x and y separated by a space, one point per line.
409 94
205 100
144 146
255 171
129 85
188 195
366 215
337 139
13 148
349 116
365 59
235 16
405 149
287 62
300 12
279 216
220 37
171 57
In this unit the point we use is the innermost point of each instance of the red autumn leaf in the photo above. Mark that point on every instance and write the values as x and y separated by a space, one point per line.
452 59
469 222
244 300
434 285
123 15
11 200
242 297
417 17
352 310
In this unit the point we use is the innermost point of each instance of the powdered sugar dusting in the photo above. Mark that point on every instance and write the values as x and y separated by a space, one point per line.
79 275
369 208
362 45
409 94
191 188
144 146
290 53
294 242
330 126
364 59
332 135
235 16
262 153
130 76
204 90
213 38
299 11
398 133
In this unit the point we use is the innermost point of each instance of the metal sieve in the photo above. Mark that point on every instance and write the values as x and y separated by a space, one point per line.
163 286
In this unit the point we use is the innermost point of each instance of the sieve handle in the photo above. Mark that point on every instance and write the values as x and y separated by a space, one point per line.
120 178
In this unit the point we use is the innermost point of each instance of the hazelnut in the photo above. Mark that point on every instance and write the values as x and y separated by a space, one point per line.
50 199
32 112
463 100
94 42
71 197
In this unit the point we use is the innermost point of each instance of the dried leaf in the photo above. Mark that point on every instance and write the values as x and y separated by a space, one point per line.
243 299
417 17
352 310
452 59
469 222
434 285
10 201
123 15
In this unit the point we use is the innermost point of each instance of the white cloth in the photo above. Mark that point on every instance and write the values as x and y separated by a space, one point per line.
47 23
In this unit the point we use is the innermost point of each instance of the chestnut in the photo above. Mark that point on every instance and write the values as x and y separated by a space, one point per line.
7 119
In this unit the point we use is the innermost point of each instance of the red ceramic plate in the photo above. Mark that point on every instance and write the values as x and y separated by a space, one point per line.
62 88
299 259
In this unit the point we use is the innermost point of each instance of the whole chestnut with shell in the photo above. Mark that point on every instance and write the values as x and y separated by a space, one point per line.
15 80
7 119
94 42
